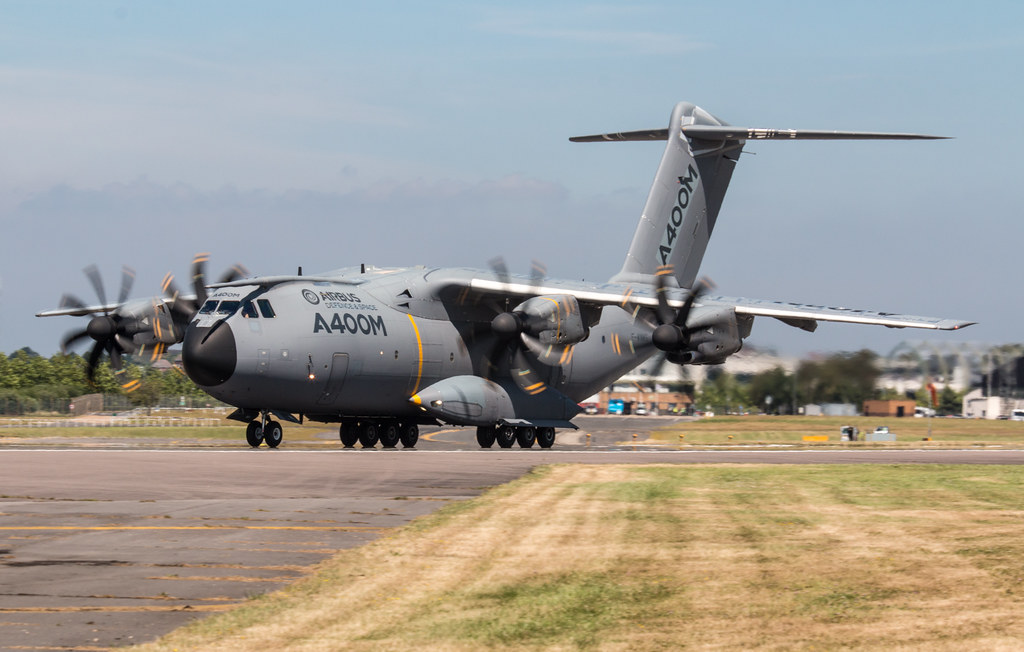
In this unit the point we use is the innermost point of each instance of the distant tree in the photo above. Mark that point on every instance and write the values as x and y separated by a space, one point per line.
69 370
722 392
840 378
775 383
6 379
150 390
26 368
950 401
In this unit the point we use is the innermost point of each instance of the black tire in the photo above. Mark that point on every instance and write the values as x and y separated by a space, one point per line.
505 436
254 434
546 437
368 434
526 436
273 434
389 434
348 434
485 436
410 434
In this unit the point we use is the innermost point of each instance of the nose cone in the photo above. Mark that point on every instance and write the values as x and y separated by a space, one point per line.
209 353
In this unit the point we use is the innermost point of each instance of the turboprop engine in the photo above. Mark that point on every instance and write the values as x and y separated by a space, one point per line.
714 336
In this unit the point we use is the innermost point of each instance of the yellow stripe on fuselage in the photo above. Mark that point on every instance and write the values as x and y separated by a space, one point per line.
419 354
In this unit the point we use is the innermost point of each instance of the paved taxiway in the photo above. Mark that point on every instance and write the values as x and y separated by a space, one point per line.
110 546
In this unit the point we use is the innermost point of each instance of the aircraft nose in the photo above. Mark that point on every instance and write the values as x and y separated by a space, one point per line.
209 353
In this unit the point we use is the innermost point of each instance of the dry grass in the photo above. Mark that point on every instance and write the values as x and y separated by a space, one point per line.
652 558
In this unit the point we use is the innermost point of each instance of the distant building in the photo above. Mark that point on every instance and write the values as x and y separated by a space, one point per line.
747 362
890 408
978 406
661 402
830 410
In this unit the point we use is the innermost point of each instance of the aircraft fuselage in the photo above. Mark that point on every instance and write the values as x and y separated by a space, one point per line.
364 346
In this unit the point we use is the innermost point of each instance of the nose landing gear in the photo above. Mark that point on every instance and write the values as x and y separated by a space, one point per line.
263 430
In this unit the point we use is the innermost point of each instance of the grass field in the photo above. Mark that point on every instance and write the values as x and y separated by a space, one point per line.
671 557
752 430
717 431
171 428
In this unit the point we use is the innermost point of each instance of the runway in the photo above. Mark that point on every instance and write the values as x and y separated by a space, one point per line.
104 547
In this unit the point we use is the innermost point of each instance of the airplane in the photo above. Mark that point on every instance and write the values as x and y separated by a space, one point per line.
381 351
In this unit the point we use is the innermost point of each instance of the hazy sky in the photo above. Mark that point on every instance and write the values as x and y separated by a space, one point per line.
326 134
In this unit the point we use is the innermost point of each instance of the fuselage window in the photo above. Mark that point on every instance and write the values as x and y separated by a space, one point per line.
228 307
265 308
208 307
249 310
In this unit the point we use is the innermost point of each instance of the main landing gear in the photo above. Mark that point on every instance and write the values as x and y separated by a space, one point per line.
369 432
506 436
264 430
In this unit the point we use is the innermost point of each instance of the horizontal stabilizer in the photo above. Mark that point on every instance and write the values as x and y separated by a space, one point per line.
724 132
647 134
715 132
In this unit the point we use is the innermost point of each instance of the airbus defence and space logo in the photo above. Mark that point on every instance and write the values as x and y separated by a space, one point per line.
356 323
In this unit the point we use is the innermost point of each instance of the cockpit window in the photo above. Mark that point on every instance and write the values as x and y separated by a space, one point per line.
228 307
265 308
208 307
249 310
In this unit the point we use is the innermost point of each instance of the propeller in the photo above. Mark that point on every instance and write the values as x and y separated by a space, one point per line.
183 309
672 335
546 326
112 331
673 331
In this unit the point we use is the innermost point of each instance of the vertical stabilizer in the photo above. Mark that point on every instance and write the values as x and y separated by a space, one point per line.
684 201
690 184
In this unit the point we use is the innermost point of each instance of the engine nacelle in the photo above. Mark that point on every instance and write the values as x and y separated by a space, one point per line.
720 334
554 319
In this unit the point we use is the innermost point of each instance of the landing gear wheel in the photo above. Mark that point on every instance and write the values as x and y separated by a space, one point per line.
273 434
368 434
254 434
506 436
485 436
348 434
389 435
526 436
409 434
545 437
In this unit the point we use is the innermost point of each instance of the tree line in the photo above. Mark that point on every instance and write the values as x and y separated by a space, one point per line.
839 378
32 383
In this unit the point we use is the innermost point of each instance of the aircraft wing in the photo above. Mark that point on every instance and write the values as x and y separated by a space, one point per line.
804 316
131 306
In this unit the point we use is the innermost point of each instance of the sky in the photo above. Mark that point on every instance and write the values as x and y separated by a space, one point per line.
328 134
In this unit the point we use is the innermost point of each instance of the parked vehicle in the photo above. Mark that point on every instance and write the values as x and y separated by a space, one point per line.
616 406
881 433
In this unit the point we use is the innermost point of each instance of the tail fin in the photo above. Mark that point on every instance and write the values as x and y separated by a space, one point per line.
690 184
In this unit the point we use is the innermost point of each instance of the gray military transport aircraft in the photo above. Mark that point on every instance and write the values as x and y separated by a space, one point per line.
381 351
